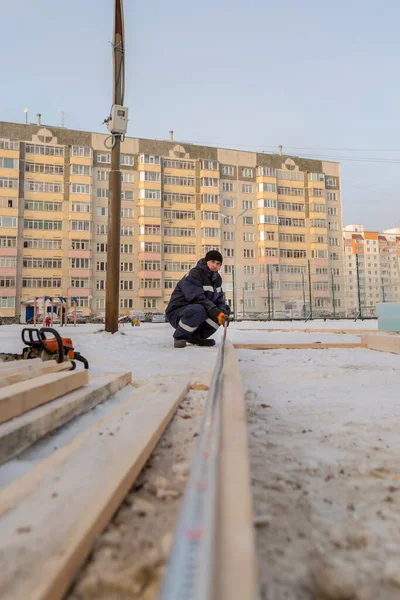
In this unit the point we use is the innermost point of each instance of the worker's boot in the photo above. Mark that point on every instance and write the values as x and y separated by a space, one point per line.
179 343
199 341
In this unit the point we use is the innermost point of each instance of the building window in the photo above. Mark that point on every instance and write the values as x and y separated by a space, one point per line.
229 236
83 151
189 165
80 245
102 175
228 269
127 177
227 170
100 303
150 194
331 181
81 188
149 303
267 187
246 172
81 263
126 160
7 302
229 252
45 150
210 182
249 270
248 237
210 165
248 220
210 199
266 172
228 203
9 163
45 225
82 207
103 157
247 188
126 285
247 204
8 144
227 186
316 177
85 170
149 159
80 225
248 253
150 176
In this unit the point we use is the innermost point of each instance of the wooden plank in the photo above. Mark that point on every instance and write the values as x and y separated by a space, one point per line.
338 331
382 343
26 371
237 564
55 511
23 431
20 397
312 346
11 365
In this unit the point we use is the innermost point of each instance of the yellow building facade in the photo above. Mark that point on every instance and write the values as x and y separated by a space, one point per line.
276 220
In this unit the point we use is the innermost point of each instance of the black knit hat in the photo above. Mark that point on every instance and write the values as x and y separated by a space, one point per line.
213 255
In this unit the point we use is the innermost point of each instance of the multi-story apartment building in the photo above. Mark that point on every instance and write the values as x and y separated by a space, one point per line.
178 201
376 276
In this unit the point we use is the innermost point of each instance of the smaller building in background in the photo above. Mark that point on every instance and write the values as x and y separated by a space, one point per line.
372 273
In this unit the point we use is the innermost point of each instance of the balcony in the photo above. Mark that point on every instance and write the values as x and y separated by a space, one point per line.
8 251
149 274
80 254
78 292
80 272
150 293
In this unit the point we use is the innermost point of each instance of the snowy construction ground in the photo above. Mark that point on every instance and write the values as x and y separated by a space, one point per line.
324 451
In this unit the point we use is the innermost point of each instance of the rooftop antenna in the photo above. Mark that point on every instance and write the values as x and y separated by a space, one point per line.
63 115
26 116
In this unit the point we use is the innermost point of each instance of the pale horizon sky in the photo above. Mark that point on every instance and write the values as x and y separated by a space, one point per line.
318 78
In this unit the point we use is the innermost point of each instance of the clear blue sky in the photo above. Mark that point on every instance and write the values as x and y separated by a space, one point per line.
309 74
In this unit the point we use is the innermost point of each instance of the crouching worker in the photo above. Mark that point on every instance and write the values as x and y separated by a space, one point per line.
197 306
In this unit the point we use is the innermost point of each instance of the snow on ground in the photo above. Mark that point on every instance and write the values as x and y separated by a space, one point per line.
324 447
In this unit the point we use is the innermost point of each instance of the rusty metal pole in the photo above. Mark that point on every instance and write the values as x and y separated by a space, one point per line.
114 201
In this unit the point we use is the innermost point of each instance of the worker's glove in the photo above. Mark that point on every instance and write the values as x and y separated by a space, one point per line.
218 316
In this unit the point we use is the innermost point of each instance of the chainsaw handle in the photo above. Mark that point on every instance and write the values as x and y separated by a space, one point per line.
29 331
55 334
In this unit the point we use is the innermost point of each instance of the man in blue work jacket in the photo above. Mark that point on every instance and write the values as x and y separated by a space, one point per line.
197 306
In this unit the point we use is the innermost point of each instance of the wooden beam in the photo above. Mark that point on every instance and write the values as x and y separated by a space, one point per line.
312 346
338 331
382 343
237 564
12 365
23 431
20 397
23 371
54 513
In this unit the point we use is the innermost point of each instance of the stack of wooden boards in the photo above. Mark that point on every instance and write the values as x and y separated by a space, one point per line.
38 397
51 515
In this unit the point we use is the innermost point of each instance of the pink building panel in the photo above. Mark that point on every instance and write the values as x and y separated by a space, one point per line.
80 272
84 292
145 293
8 291
80 254
274 293
321 294
8 251
149 256
8 272
149 274
268 260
